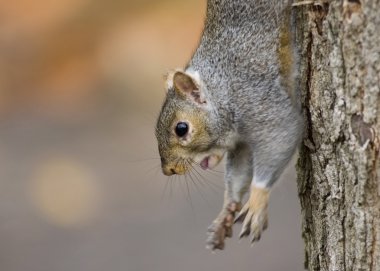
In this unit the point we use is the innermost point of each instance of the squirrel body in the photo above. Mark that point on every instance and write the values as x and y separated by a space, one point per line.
236 96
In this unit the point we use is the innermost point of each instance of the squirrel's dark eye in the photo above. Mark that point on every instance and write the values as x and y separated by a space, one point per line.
181 129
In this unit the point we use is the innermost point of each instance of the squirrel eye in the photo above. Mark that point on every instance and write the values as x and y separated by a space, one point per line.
181 129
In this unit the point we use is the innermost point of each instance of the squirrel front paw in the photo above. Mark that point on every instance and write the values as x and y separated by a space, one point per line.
221 228
254 214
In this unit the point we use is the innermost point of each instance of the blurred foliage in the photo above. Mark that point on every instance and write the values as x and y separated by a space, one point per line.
59 55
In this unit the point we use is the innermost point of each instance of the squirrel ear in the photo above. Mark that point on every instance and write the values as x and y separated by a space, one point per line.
187 85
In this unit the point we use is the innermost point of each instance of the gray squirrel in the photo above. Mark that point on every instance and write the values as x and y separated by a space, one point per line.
237 97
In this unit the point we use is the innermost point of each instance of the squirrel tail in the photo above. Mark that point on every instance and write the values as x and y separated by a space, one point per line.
288 56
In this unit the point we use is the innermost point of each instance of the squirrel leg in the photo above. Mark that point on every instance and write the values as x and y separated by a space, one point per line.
237 181
269 161
221 227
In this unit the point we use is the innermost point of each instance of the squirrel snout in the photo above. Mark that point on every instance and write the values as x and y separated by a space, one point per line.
168 171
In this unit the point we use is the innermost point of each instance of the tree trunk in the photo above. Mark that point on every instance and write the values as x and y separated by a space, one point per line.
338 168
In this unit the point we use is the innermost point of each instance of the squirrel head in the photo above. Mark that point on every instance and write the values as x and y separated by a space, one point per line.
185 129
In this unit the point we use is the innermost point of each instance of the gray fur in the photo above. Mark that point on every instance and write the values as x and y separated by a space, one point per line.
249 112
238 62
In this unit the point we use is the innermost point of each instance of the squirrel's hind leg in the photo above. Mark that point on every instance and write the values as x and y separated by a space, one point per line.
269 160
237 181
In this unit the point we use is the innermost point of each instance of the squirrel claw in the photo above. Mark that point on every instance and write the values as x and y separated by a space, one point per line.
254 223
216 239
244 233
221 228
241 216
255 238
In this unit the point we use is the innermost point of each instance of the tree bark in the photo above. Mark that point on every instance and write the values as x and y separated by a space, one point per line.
338 168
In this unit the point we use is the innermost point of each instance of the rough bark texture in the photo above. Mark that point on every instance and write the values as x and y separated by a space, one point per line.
338 168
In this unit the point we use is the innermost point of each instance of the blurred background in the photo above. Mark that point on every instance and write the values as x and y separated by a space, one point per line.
81 83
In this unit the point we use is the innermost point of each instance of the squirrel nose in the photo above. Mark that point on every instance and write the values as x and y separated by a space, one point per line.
168 171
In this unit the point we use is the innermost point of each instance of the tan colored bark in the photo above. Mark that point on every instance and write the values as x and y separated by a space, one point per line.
339 168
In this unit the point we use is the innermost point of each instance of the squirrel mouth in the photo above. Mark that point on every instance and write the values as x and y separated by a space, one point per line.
210 162
205 163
